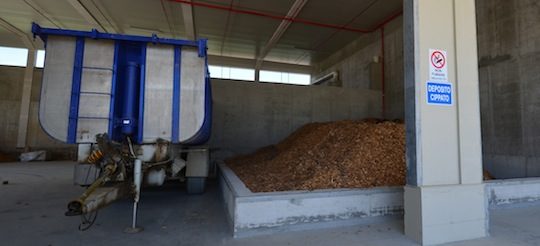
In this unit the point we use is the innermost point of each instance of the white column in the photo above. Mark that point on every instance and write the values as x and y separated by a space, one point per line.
24 112
444 198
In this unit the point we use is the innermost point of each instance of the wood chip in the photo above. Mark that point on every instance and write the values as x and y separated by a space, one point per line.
343 154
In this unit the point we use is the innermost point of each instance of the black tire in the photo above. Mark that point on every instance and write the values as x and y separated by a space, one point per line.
195 185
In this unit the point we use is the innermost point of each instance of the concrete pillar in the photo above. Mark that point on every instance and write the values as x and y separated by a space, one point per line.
257 75
444 196
24 113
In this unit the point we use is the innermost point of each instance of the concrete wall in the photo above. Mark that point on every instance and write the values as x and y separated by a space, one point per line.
509 54
250 115
10 101
357 68
10 97
247 115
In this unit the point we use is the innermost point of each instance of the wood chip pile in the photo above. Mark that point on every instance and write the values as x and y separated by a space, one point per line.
343 154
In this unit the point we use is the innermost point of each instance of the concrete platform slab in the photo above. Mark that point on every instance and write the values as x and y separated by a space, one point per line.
248 212
33 203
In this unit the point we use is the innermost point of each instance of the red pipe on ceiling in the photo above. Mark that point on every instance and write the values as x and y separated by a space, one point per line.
311 23
281 17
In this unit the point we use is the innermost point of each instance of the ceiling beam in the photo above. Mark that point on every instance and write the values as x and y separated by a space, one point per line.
107 16
227 30
167 11
87 15
189 21
38 9
28 42
278 33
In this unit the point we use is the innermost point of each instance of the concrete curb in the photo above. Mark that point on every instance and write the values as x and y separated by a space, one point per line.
268 212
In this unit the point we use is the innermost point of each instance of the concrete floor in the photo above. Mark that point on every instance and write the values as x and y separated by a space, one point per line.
32 210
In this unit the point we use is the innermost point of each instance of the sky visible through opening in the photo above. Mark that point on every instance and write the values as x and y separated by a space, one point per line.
18 56
223 72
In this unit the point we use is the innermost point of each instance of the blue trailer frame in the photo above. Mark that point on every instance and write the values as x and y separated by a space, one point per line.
37 30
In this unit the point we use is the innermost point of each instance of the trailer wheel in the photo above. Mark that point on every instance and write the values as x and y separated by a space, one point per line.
195 185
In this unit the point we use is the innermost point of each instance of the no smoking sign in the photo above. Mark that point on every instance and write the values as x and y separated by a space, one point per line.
438 59
438 69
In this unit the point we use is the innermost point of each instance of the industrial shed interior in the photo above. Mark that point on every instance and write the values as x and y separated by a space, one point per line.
251 122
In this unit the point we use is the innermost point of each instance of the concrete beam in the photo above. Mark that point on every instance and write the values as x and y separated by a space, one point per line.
189 21
24 112
38 9
278 33
106 16
88 15
28 42
249 63
168 13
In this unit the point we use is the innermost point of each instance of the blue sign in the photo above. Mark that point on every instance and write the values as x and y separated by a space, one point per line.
439 93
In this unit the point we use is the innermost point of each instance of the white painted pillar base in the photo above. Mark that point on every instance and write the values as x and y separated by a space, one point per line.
445 213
